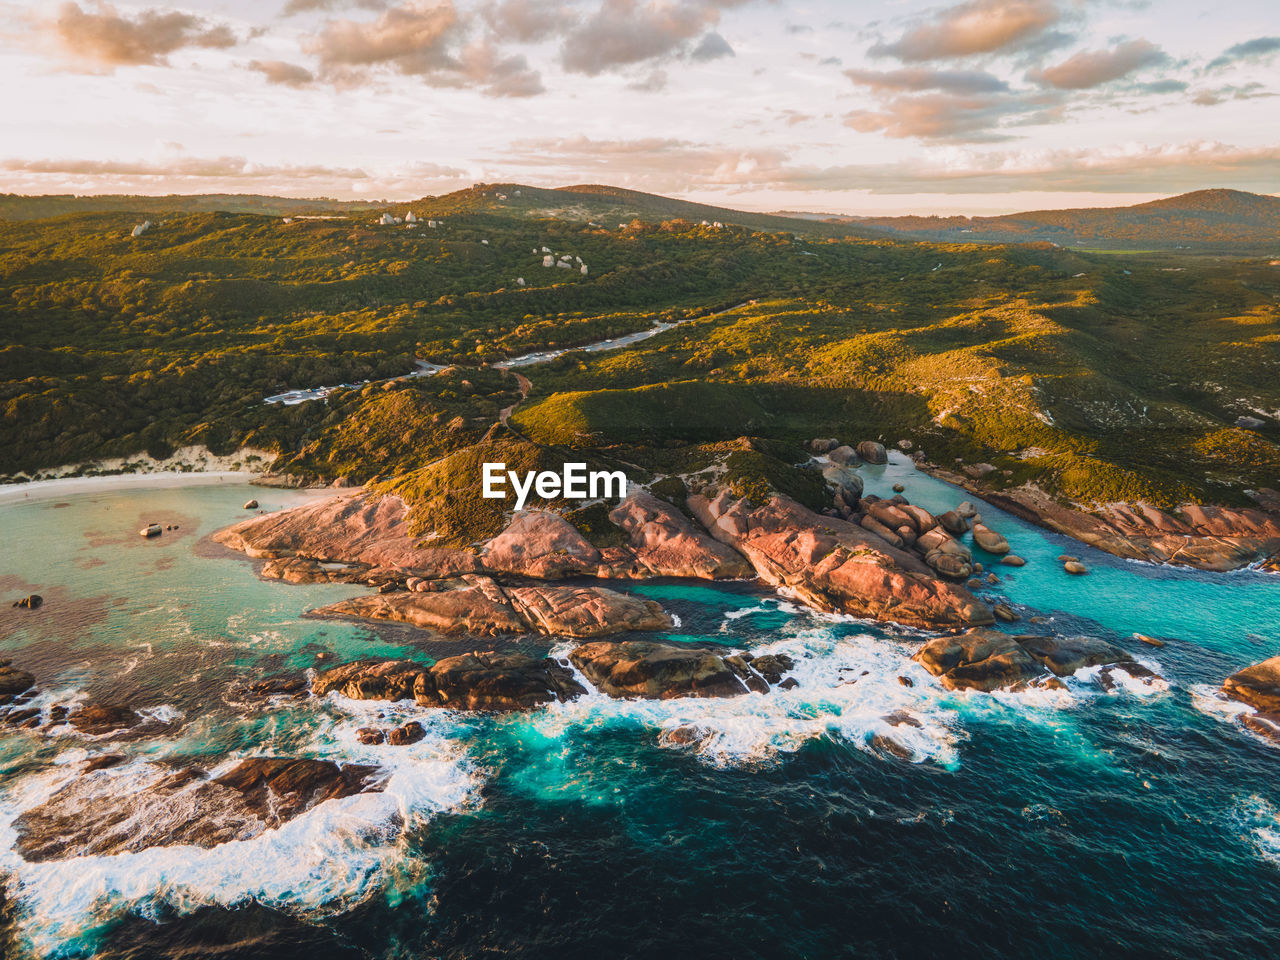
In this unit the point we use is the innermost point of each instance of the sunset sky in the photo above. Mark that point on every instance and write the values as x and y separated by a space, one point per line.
847 107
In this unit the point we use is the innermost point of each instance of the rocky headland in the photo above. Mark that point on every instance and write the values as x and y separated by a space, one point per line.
899 564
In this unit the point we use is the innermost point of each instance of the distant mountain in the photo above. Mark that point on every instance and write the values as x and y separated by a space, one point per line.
16 207
610 206
1205 219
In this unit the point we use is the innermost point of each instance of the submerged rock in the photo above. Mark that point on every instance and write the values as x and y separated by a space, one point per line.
13 682
115 810
97 718
1075 567
1005 612
989 660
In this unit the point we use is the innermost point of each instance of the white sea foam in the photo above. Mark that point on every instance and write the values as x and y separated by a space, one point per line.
330 858
1260 821
848 688
1208 699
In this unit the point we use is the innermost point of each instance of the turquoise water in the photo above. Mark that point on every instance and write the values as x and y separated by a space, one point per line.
806 823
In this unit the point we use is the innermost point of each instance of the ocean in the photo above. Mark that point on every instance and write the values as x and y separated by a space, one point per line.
852 816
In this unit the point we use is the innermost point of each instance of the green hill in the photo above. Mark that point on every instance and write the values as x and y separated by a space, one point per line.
1203 220
1095 375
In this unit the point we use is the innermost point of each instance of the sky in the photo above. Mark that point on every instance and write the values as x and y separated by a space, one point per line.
849 107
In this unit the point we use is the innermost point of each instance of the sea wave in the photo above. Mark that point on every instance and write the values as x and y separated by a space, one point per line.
330 858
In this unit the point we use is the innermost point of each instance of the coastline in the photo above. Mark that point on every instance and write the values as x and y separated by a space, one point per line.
34 490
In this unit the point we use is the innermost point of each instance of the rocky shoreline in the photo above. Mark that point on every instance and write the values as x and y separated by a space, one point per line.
1211 538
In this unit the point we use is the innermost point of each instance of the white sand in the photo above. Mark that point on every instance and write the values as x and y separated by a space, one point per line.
69 486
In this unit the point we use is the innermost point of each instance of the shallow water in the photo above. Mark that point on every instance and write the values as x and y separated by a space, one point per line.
805 823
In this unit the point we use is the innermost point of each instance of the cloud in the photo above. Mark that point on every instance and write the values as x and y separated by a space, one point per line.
1092 68
526 21
421 39
667 165
1157 87
286 74
712 46
937 104
224 174
976 27
1248 91
101 36
233 168
1256 48
653 163
919 78
625 32
306 6
938 116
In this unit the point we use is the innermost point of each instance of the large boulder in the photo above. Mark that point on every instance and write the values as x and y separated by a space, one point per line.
101 813
666 544
844 456
873 452
542 544
989 540
651 670
981 660
495 681
847 482
1258 686
835 565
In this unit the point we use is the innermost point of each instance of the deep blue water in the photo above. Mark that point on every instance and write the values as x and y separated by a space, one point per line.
1140 822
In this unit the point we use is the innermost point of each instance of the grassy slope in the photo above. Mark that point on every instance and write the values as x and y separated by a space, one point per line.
1105 377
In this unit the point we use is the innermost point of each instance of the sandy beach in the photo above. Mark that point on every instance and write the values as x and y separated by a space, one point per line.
70 486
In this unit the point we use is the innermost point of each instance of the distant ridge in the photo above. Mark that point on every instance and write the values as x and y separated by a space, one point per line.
18 207
1215 219
1201 219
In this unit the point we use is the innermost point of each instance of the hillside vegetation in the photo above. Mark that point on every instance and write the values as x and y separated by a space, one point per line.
1098 376
1206 220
